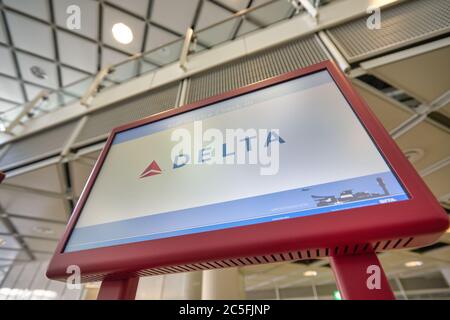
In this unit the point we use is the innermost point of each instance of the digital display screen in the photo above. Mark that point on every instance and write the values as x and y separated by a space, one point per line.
286 151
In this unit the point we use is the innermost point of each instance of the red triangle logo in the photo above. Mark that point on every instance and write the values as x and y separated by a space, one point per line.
151 170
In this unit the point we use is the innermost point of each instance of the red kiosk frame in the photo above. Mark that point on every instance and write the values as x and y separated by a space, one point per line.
350 237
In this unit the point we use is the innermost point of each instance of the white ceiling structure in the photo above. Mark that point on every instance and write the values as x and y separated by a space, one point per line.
40 52
36 202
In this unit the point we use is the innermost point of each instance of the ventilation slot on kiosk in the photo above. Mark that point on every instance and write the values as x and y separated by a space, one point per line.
271 258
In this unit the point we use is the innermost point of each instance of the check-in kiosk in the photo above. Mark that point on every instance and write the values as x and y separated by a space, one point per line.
318 176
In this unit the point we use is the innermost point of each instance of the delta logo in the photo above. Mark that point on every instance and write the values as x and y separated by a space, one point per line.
246 151
152 170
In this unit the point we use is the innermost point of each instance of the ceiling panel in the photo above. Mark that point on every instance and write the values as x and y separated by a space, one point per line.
218 33
446 110
41 245
89 16
33 29
80 171
4 264
46 178
11 114
3 228
211 14
30 35
70 75
93 155
110 57
395 261
3 38
79 88
7 65
388 111
30 227
271 13
32 90
85 55
431 139
145 67
33 205
122 72
246 27
138 7
42 256
5 106
46 71
9 254
424 76
440 253
256 3
439 182
9 242
112 16
53 100
10 90
37 8
167 54
236 5
173 14
157 37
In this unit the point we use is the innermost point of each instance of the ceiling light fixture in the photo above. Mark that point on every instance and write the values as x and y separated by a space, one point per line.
413 264
2 242
122 33
310 273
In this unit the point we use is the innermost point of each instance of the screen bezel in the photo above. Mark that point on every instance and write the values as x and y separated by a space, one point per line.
421 214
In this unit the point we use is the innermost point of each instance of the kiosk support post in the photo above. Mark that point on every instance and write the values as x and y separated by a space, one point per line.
361 277
123 289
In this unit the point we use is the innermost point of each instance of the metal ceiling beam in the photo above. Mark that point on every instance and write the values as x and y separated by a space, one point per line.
197 13
424 111
405 54
435 167
240 22
185 49
100 36
147 18
334 52
55 48
93 88
66 183
309 7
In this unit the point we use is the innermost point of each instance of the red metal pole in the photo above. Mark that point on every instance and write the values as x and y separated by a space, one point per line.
361 277
124 289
